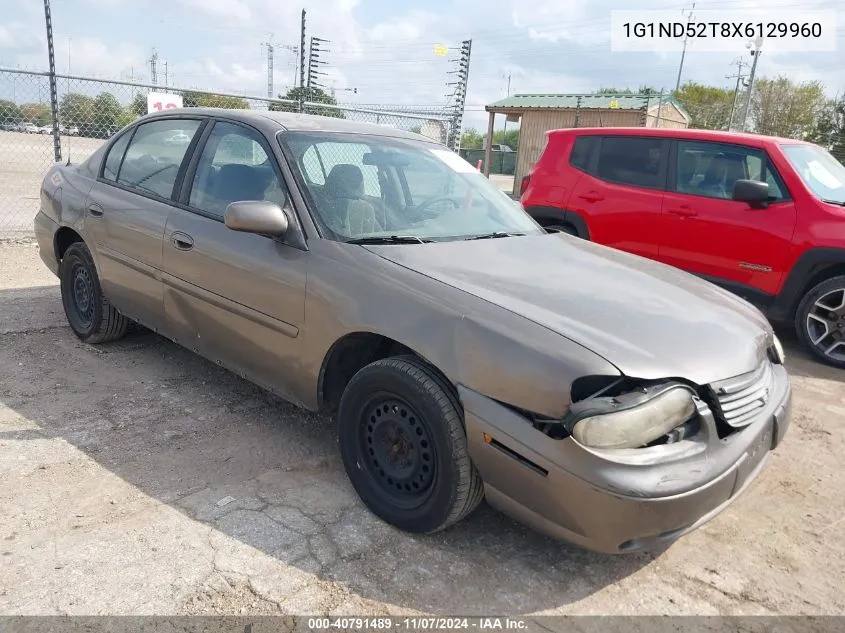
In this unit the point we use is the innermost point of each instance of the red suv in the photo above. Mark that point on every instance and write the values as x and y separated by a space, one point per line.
763 217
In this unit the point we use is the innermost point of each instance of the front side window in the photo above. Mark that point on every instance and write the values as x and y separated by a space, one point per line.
631 160
820 171
364 186
155 154
234 167
712 169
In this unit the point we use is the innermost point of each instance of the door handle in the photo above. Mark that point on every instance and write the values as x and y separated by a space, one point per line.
95 209
683 211
592 196
182 241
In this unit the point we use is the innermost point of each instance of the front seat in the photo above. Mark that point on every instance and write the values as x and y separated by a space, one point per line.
347 211
237 183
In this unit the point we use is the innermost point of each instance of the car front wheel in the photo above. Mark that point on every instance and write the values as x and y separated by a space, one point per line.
820 321
90 315
404 446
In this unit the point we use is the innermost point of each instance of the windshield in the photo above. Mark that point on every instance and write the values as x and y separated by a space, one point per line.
820 171
368 186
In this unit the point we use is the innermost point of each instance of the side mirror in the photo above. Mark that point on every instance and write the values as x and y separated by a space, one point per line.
754 192
257 216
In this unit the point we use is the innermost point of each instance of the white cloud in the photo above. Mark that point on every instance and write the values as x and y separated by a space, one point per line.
238 10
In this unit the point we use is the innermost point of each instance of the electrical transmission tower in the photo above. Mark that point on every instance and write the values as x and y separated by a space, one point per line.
270 49
457 99
314 62
153 61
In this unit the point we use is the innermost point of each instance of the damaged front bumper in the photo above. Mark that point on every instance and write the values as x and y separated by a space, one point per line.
619 501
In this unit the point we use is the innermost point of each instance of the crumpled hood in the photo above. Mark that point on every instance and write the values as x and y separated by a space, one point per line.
648 319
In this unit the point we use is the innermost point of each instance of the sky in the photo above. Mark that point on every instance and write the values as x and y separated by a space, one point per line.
385 49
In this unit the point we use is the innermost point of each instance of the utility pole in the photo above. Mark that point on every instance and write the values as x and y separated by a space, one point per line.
165 74
684 51
302 63
739 77
754 47
54 89
505 130
460 93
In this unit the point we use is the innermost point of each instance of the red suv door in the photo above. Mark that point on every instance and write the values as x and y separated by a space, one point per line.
705 231
621 195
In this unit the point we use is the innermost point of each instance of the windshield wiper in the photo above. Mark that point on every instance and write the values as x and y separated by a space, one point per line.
490 236
388 239
840 203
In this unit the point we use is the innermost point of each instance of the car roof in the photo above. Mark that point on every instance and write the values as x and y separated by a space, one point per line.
292 121
743 138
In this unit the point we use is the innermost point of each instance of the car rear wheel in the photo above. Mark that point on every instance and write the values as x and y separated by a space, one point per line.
90 315
820 321
404 447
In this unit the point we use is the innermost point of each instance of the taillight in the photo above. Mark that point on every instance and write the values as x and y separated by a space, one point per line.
524 184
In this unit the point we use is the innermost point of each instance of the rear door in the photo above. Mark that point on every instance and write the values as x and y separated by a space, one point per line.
621 194
237 298
127 210
708 233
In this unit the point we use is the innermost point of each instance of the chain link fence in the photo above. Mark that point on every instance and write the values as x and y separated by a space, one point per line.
92 110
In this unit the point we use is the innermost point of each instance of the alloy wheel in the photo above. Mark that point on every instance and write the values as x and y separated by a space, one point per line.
825 324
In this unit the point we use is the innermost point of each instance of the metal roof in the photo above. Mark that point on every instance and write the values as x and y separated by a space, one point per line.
583 101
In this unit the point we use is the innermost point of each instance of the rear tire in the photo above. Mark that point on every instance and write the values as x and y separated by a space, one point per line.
820 321
90 315
404 446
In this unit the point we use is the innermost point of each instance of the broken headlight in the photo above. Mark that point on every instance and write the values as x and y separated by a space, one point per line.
631 419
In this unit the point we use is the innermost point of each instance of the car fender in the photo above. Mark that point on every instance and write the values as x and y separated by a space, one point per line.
808 265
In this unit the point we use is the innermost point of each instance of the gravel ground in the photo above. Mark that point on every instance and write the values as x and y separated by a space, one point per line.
136 478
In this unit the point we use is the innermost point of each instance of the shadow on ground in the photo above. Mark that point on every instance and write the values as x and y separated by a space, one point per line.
225 453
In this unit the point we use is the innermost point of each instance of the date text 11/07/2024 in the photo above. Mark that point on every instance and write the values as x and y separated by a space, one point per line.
417 623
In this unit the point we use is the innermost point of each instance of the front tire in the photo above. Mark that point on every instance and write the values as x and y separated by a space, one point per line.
404 446
90 315
820 321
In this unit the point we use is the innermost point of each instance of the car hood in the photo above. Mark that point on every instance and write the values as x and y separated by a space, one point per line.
648 319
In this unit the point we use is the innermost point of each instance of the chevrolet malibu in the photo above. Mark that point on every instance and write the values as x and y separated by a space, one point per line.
602 398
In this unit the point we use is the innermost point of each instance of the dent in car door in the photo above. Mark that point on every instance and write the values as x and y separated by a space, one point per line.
621 194
236 298
127 211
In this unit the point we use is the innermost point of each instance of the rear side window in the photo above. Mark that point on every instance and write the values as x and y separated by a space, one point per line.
155 154
632 161
582 152
115 156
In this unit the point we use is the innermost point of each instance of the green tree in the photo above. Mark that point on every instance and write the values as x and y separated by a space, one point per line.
193 99
77 110
472 139
642 90
782 107
10 112
507 137
106 114
315 95
829 128
139 105
38 113
709 107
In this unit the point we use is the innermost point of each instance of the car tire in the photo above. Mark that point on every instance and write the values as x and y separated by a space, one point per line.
823 310
561 228
404 446
90 315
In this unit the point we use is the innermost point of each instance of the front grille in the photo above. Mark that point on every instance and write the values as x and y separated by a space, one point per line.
739 399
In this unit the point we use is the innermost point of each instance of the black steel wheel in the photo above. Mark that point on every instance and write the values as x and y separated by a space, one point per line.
404 447
820 321
89 314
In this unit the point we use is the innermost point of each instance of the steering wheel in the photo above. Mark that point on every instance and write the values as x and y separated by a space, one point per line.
420 209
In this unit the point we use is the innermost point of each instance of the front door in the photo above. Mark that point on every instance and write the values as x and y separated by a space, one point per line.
708 233
237 298
127 211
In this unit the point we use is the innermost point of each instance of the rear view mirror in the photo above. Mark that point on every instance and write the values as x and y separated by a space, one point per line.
257 216
754 192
